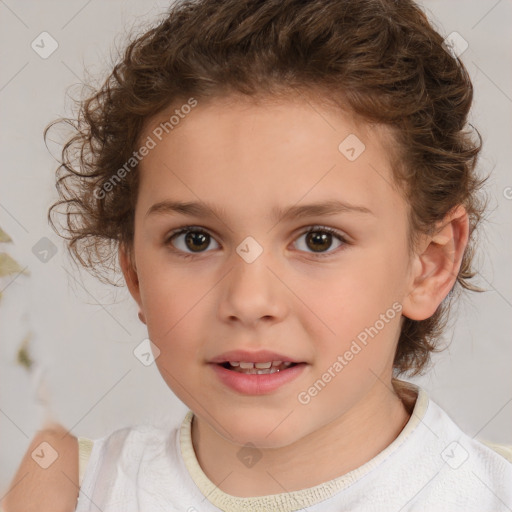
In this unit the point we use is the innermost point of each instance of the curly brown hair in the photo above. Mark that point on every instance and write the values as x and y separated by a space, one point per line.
381 59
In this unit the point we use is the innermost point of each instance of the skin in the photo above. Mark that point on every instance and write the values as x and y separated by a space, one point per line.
246 158
54 488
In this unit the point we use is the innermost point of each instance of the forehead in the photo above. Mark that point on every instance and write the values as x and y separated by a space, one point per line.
258 154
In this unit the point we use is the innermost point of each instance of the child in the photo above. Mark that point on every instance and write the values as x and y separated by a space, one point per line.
230 140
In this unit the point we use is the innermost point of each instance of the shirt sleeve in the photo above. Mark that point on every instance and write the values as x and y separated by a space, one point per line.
84 452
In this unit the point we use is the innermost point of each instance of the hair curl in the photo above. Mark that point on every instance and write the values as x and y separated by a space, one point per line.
381 59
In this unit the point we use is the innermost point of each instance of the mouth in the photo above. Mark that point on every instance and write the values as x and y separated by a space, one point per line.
256 373
264 368
262 378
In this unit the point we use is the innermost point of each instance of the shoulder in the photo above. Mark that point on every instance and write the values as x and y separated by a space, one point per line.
48 474
488 454
134 438
116 467
468 470
127 448
505 450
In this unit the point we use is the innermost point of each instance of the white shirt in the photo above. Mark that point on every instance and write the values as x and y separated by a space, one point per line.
431 466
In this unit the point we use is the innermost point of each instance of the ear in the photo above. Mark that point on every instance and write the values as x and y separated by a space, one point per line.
436 265
130 274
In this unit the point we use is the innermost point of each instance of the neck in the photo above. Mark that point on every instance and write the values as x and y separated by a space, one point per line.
356 437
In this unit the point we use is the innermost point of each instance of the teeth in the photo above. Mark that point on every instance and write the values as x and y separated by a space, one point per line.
267 371
263 365
259 368
255 371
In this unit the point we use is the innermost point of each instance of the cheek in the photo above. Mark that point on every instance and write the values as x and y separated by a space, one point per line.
169 302
354 292
178 312
357 311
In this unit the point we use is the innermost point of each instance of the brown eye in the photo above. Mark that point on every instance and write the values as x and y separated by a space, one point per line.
197 241
190 240
320 240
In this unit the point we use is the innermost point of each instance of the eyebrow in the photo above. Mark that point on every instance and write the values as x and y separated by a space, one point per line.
205 210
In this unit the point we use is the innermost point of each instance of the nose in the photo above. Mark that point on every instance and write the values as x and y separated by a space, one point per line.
252 292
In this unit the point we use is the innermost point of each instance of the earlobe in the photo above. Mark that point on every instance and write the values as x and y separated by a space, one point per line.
436 266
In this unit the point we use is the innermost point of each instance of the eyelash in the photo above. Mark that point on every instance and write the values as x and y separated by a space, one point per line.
311 229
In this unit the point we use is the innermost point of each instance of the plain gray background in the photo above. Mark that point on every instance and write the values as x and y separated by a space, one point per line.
83 333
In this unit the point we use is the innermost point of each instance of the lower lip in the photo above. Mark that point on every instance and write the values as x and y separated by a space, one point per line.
254 384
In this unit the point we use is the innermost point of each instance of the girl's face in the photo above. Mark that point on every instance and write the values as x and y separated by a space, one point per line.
271 229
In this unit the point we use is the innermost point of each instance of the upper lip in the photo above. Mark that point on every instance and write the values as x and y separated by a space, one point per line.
262 356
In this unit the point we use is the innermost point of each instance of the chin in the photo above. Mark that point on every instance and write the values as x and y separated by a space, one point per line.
264 432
